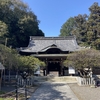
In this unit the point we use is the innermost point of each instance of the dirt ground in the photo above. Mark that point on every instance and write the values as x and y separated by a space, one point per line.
9 87
85 92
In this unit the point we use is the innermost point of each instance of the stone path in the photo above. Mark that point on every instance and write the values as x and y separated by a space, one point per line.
53 91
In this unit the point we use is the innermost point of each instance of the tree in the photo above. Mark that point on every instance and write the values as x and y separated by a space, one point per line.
8 59
80 31
83 59
93 29
21 22
88 27
67 27
30 63
13 61
3 31
3 28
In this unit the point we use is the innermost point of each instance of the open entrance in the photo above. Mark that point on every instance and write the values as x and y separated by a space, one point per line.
54 63
54 68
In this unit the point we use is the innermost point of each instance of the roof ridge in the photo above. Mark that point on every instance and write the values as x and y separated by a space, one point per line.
51 38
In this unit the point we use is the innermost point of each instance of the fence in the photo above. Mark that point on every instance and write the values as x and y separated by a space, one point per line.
29 81
85 81
7 77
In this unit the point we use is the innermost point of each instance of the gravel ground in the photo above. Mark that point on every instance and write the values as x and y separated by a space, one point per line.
85 92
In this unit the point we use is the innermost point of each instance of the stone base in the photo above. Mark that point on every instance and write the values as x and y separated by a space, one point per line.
54 73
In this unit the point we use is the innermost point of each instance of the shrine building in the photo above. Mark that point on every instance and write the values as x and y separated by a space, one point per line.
53 51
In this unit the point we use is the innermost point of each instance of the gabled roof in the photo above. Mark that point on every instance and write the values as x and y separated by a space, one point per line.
49 47
41 44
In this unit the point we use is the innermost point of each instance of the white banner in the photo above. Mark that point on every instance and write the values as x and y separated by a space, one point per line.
71 70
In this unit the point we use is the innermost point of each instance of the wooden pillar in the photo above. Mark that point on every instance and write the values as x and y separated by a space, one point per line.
46 68
45 71
61 64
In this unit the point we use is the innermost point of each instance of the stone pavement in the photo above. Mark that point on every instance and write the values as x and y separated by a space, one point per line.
53 91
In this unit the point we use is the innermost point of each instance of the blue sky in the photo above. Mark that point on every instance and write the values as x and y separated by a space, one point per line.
54 13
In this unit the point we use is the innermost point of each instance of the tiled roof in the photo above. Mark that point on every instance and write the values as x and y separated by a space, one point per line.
40 44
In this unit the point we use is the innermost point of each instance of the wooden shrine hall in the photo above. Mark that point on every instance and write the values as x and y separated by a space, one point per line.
52 50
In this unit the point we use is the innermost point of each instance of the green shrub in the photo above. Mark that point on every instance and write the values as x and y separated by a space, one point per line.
2 92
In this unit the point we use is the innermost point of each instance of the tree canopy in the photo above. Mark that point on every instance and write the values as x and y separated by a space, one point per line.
30 63
67 27
86 27
18 22
88 58
12 60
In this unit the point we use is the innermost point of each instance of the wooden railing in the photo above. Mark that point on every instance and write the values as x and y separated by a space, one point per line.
85 81
29 81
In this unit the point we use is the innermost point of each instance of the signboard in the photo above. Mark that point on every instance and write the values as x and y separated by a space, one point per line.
71 70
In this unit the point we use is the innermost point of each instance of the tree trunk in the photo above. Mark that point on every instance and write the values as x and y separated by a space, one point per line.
9 75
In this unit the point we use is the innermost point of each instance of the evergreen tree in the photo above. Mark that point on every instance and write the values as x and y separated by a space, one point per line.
93 29
21 22
67 27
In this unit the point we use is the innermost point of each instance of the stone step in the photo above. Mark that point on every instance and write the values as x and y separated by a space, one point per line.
63 79
68 79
